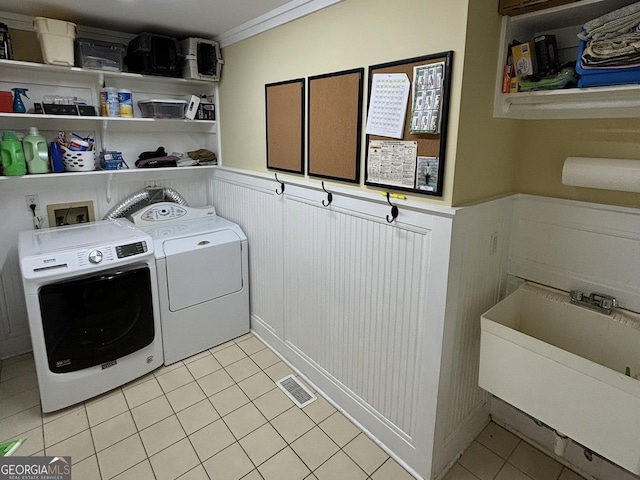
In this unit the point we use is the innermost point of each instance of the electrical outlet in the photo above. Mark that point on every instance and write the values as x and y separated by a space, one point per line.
493 248
32 200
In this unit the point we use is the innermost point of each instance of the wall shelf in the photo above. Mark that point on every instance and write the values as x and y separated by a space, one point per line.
565 22
97 75
22 121
127 135
101 173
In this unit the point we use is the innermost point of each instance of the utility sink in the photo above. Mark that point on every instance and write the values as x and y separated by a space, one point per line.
567 366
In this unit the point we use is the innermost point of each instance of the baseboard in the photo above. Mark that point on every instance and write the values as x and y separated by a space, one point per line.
454 446
14 346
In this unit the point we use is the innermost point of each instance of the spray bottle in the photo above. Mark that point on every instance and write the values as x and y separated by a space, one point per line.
18 104
35 152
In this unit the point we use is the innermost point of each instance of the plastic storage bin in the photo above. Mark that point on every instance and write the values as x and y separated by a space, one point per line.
56 40
98 55
155 108
155 55
596 77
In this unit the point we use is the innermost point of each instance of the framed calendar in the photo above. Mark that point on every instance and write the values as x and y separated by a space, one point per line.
407 114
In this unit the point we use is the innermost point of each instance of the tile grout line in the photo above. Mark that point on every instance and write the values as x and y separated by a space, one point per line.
252 401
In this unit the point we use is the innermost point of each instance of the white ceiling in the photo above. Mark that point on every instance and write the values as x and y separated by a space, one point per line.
181 18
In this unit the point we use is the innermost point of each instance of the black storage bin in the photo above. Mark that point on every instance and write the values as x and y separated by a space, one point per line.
155 55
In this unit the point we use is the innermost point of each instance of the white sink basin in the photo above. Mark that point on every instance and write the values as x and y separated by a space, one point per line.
565 365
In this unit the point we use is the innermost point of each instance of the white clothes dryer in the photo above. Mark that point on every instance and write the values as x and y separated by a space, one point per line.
202 262
93 311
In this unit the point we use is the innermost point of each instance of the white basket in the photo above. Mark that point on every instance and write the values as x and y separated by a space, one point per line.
78 161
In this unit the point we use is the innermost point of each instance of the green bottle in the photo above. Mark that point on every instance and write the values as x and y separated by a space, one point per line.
12 154
36 153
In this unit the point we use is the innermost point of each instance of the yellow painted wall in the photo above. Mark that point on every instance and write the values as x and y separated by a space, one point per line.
486 146
350 34
486 157
543 146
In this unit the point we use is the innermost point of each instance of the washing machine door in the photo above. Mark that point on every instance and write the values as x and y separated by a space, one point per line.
202 267
96 319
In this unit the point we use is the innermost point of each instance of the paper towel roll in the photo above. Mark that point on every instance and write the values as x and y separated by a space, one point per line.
606 173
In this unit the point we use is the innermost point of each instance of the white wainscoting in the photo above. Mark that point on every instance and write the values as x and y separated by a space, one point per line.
61 188
259 212
480 243
363 304
577 245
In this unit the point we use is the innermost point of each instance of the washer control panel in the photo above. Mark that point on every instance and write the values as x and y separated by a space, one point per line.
93 246
110 253
137 248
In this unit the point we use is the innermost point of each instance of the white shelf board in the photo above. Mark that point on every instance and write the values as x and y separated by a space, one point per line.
98 173
97 75
22 121
595 102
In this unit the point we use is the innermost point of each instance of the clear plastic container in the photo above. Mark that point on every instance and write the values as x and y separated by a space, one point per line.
155 108
99 55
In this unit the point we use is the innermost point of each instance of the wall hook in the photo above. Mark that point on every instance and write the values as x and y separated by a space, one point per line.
394 210
281 185
329 197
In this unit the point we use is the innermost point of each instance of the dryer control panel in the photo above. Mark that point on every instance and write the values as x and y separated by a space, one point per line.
167 211
158 213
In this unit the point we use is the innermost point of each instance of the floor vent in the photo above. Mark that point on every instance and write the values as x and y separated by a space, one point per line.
296 391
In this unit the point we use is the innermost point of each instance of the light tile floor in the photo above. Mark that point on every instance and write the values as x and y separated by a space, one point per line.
497 454
219 415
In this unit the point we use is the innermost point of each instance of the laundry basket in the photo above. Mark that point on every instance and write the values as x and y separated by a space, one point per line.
75 161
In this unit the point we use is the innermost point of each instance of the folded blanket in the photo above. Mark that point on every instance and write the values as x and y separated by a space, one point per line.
612 40
623 51
622 20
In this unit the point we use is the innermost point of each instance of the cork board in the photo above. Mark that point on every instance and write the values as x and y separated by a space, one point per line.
429 145
284 103
335 125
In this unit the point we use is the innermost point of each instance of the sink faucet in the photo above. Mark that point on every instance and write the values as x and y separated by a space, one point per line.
596 301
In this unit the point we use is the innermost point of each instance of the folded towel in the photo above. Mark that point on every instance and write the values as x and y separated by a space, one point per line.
621 20
623 52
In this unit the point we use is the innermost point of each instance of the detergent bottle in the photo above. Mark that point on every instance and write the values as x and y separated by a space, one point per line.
57 161
18 104
12 154
35 152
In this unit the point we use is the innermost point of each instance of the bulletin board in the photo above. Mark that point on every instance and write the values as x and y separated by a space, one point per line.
284 103
335 125
424 136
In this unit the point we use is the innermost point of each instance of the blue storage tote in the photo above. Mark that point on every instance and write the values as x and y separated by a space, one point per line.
595 77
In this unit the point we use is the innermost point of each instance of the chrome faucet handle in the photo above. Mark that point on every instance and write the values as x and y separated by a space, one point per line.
576 295
605 301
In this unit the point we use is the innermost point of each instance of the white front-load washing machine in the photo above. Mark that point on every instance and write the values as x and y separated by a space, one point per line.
92 303
203 277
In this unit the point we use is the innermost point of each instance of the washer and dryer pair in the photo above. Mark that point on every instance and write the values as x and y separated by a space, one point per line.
110 301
